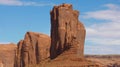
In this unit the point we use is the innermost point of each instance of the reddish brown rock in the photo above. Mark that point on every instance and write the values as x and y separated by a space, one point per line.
33 49
67 32
18 57
7 54
1 63
105 60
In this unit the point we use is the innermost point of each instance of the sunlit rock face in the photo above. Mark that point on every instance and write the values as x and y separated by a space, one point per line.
32 50
67 32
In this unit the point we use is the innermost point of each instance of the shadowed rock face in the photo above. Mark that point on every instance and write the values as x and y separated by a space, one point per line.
33 49
67 32
7 54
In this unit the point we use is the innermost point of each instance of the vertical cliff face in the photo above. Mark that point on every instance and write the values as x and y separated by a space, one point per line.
32 50
18 57
66 31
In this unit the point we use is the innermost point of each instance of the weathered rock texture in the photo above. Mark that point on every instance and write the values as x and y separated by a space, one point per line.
105 60
7 54
67 32
1 64
32 50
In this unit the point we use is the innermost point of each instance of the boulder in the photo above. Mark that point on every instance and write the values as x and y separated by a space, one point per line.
33 49
67 32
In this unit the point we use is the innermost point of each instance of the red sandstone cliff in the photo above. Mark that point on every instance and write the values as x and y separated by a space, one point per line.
67 32
32 50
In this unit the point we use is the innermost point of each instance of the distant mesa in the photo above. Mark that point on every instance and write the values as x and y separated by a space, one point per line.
9 46
7 55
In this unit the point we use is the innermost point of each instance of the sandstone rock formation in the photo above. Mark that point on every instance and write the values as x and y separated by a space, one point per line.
67 32
1 64
7 54
32 50
65 47
18 57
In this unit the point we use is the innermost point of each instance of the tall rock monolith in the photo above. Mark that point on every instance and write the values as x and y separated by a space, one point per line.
67 32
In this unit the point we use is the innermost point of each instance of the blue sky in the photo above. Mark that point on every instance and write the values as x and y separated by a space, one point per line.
100 17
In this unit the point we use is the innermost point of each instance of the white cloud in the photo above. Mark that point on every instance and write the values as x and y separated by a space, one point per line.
111 15
112 6
105 33
104 30
23 3
103 41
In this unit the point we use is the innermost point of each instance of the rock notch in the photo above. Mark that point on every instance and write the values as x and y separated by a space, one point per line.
32 50
67 32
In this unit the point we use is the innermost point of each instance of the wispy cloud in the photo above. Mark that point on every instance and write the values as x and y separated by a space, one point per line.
112 6
107 33
111 14
24 3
